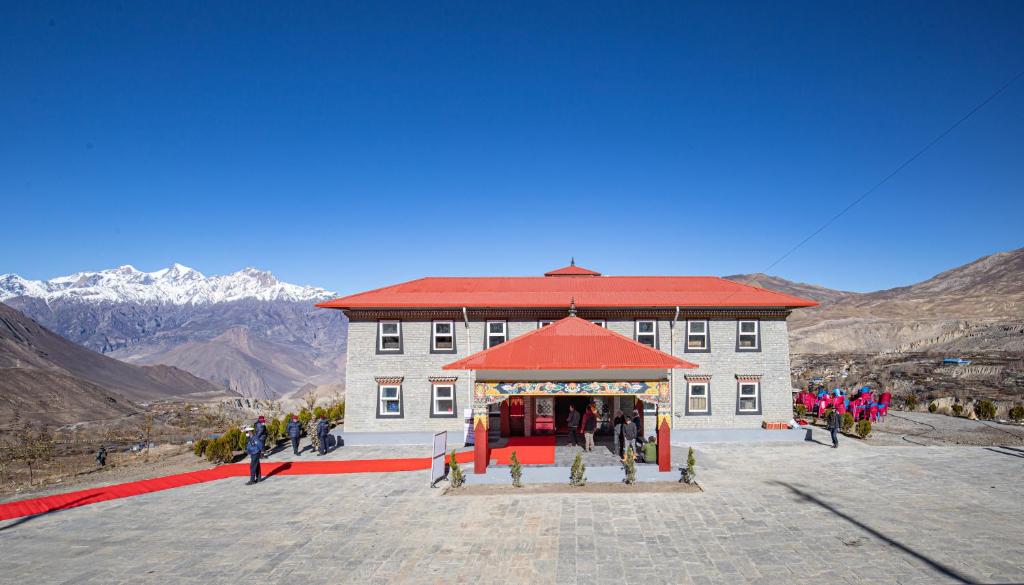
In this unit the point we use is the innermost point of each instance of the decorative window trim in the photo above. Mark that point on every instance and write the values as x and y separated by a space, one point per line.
442 379
757 335
434 385
637 334
389 380
380 401
380 338
487 333
695 381
433 337
707 337
742 381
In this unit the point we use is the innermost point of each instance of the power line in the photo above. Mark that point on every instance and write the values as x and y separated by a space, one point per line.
895 171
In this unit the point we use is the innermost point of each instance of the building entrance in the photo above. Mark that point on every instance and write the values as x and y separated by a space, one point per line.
562 410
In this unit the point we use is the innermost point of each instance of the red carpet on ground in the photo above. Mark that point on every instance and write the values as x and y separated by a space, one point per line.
529 451
57 502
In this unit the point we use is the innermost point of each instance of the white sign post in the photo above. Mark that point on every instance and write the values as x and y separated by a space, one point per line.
437 462
468 437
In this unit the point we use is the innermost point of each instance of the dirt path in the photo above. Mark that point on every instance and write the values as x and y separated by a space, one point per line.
925 429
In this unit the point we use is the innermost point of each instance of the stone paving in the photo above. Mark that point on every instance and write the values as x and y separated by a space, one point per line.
771 513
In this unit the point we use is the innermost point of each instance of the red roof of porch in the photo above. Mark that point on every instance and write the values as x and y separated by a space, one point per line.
570 344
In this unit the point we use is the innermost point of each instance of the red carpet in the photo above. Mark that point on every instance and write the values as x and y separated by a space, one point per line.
529 451
123 490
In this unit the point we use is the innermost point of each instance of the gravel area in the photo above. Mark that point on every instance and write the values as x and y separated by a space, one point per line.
920 428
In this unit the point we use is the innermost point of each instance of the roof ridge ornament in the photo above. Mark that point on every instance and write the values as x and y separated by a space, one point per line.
572 261
572 307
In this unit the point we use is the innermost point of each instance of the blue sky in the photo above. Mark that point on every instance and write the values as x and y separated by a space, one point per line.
352 146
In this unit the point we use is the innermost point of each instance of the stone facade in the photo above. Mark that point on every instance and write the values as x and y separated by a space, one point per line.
416 364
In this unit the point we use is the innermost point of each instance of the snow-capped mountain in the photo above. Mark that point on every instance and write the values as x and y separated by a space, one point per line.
176 285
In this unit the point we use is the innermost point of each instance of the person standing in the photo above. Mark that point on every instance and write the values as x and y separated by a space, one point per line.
254 447
101 456
638 421
628 436
833 422
589 426
617 432
260 430
322 429
573 421
314 438
294 432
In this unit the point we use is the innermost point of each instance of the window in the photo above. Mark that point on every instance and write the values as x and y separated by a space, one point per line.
697 335
497 332
645 332
544 323
389 400
598 322
442 400
650 407
749 399
389 336
697 398
443 338
748 336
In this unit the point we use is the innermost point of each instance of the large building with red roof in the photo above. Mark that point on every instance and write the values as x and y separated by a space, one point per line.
685 352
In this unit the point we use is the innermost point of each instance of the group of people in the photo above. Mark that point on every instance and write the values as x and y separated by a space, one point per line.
626 432
860 403
257 446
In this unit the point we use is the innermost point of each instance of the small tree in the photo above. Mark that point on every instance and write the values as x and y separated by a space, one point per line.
932 407
863 428
1017 413
801 410
629 465
305 415
958 409
199 447
847 424
577 477
910 401
985 410
33 447
310 401
690 472
516 470
455 476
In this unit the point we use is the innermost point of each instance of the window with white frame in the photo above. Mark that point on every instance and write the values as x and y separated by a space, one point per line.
646 332
443 399
697 335
443 338
650 407
389 400
389 336
598 322
697 397
749 397
544 323
748 335
497 332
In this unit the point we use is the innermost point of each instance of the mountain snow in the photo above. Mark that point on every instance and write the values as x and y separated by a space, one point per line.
177 285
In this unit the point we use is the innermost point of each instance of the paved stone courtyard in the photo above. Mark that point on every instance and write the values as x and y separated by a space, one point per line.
771 513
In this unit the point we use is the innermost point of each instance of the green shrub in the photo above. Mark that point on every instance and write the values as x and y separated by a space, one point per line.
629 465
516 470
863 428
576 473
199 447
847 423
273 431
932 407
304 417
1017 413
985 410
235 438
319 412
958 409
910 401
801 410
455 476
337 411
220 450
690 471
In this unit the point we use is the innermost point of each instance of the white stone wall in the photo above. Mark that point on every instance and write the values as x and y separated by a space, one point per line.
416 363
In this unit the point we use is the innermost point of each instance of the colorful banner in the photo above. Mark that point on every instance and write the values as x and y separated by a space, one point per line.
503 389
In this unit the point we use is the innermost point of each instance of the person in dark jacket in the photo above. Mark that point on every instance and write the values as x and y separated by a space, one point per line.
260 430
573 421
101 456
833 422
294 432
322 430
628 436
638 421
617 423
254 447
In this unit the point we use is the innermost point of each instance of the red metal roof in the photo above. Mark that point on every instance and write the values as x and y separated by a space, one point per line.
569 344
545 292
572 270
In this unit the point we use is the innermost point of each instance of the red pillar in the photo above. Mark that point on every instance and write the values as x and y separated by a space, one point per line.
664 447
481 453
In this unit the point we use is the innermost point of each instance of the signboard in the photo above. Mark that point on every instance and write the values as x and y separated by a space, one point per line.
468 436
437 460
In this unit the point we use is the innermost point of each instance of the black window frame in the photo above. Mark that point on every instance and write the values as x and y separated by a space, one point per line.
401 401
487 332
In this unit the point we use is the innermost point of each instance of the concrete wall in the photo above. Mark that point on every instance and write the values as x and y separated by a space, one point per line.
416 363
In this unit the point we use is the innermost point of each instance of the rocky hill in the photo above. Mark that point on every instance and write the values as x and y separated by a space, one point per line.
46 378
245 331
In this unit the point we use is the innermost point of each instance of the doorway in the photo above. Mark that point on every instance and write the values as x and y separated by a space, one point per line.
562 410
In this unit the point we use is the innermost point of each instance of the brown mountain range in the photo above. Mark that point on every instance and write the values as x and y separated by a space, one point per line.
46 378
